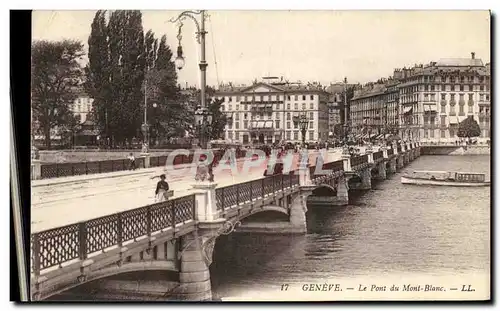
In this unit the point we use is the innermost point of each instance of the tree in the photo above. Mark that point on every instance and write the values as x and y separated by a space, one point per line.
55 75
219 119
97 72
126 67
468 128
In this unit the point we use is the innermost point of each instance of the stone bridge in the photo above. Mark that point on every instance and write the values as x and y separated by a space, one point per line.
179 235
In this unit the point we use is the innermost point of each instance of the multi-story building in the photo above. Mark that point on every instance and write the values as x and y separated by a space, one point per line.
426 102
82 107
267 112
435 98
369 110
334 104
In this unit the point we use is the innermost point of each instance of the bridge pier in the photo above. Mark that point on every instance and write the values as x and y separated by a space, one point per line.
382 174
342 191
392 165
366 179
399 162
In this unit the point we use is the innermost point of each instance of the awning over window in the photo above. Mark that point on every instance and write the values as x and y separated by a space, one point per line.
268 124
430 108
407 110
453 120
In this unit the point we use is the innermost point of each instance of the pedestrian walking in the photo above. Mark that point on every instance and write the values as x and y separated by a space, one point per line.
131 159
161 189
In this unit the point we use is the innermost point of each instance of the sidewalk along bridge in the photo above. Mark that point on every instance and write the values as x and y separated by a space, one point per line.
179 235
55 170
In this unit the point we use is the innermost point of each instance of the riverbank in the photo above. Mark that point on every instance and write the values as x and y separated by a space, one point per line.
456 150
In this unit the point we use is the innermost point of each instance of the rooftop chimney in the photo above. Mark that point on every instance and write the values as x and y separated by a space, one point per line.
473 55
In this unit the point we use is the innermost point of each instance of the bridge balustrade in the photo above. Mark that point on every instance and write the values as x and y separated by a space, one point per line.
234 195
358 160
85 168
56 246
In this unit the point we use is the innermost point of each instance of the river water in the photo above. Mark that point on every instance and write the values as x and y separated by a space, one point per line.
391 231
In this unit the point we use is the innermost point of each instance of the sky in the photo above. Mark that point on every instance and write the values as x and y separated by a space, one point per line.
306 46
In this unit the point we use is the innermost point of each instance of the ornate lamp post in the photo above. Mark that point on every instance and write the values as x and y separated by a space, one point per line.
203 118
303 123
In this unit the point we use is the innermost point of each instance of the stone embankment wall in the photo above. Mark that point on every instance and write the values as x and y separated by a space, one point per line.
455 150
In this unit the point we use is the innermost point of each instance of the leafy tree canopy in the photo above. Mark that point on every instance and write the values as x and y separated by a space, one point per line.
56 75
469 128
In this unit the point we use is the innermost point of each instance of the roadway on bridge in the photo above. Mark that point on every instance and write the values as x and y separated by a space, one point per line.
57 204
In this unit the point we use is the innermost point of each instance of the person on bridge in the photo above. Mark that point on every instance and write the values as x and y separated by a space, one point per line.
162 189
132 162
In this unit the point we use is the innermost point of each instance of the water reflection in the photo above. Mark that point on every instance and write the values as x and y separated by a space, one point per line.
394 228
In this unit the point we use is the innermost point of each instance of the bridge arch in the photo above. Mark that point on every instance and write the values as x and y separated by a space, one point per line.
111 271
324 190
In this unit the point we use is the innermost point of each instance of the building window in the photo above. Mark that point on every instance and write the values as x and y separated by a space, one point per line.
245 124
277 124
237 125
287 106
288 116
432 133
471 87
443 96
288 125
311 135
265 98
296 97
452 133
296 106
237 135
470 109
426 133
311 106
443 120
311 115
269 115
295 125
237 107
461 88
303 97
487 97
246 107
288 97
311 124
277 106
230 135
443 87
295 135
230 107
229 99
461 111
443 133
288 135
277 115
303 106
245 116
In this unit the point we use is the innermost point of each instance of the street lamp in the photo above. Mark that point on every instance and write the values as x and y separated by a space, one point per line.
145 125
203 118
303 123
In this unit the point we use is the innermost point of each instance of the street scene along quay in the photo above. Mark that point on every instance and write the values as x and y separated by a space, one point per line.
170 165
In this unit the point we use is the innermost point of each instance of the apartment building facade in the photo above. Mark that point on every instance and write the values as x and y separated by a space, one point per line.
426 103
267 112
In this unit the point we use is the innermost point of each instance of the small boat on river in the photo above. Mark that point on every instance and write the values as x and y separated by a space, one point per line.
442 178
